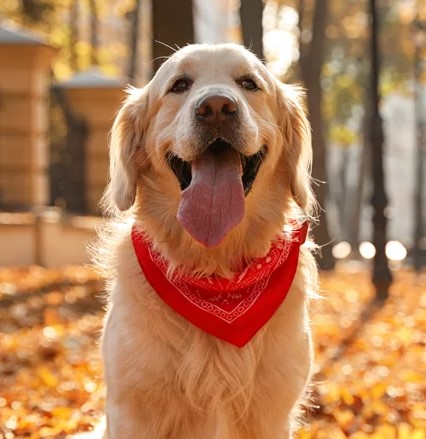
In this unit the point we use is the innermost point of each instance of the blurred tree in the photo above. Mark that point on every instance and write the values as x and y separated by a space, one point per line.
419 31
344 82
166 34
134 17
35 11
74 15
382 277
94 30
311 61
251 12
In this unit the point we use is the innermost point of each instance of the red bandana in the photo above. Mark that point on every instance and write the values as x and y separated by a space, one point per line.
230 309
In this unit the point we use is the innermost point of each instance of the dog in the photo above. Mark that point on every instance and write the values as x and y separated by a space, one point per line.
209 184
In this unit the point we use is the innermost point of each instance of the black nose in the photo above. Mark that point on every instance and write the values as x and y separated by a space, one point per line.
216 109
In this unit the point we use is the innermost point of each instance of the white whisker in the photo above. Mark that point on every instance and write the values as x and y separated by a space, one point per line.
166 45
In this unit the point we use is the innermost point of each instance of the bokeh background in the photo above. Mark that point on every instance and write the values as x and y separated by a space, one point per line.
63 67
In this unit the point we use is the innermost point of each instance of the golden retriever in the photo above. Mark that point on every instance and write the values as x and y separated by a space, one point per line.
211 117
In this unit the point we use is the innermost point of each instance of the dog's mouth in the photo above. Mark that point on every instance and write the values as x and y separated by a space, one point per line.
214 186
250 165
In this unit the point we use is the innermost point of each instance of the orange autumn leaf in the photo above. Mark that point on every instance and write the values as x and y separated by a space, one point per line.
47 377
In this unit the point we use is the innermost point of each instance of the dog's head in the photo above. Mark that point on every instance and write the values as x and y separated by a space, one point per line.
213 145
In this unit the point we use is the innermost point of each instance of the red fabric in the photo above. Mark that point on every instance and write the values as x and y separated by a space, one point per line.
230 309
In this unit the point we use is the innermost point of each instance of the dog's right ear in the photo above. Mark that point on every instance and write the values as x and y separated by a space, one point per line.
127 137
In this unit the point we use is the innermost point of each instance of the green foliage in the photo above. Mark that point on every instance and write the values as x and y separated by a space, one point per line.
342 135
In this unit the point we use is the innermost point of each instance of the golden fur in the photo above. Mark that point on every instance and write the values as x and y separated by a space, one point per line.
165 377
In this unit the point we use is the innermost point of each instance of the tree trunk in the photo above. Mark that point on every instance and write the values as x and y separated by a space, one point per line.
419 255
73 24
134 39
33 11
355 220
251 13
311 62
173 28
382 277
345 203
94 32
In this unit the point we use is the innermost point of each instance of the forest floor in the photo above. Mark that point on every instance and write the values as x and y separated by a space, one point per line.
370 379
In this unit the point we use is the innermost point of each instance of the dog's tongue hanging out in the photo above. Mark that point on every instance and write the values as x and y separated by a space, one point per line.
213 204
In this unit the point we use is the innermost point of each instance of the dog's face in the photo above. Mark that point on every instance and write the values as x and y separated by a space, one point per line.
211 143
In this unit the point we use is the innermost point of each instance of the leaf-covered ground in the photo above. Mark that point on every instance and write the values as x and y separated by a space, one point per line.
370 362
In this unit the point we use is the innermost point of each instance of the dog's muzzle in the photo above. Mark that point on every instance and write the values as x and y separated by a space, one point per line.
215 183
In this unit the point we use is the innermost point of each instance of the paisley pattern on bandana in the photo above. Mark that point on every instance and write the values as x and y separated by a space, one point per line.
228 299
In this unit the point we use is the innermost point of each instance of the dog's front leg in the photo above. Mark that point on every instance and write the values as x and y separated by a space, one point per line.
123 416
136 390
122 422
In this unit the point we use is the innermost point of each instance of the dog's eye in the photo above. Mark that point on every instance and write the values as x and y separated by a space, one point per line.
248 84
181 85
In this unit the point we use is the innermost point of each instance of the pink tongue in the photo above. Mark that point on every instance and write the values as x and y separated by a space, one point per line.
213 204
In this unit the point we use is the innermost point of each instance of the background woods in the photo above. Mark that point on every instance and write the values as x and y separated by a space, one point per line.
63 67
323 45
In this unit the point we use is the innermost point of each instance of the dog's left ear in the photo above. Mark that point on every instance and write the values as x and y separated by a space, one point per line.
127 136
296 132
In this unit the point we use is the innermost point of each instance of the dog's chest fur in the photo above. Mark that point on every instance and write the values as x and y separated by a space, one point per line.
183 379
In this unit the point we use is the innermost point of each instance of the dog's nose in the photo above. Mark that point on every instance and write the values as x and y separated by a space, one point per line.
216 109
